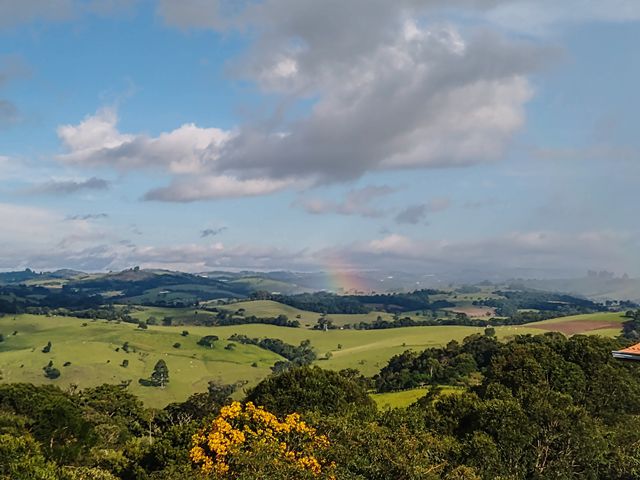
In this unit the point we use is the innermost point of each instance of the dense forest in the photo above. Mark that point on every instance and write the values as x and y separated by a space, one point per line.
536 407
324 302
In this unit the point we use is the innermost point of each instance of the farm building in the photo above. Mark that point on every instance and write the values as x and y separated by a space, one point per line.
629 353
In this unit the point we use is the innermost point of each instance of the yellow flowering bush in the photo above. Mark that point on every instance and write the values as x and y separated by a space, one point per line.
247 435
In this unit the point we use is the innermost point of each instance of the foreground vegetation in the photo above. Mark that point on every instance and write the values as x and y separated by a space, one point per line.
541 407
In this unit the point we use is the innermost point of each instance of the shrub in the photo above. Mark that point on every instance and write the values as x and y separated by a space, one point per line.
311 389
208 341
248 440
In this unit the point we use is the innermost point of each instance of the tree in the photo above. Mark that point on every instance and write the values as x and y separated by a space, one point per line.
176 345
311 389
160 373
47 347
51 373
21 458
159 376
208 341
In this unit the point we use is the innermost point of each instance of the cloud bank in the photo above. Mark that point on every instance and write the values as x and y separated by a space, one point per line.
392 91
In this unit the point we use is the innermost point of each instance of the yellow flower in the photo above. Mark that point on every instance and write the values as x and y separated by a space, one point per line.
248 429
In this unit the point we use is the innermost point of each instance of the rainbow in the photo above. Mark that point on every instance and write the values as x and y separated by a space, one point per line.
343 277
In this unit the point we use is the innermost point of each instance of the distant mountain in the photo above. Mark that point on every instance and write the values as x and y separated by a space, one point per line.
338 281
30 276
596 287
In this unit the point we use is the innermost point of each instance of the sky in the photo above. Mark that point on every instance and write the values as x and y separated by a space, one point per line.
471 137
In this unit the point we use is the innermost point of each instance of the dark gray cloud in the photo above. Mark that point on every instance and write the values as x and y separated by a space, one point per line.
88 216
423 98
211 232
64 187
414 214
356 202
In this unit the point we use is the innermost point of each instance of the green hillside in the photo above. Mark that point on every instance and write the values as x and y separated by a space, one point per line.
91 349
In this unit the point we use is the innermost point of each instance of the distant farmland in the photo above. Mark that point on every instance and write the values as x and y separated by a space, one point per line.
91 351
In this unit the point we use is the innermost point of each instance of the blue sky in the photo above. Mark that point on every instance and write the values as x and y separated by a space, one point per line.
497 138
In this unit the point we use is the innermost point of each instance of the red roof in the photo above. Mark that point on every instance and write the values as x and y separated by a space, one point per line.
633 349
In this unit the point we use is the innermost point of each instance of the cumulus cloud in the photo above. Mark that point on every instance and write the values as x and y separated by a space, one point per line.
414 214
413 100
188 153
390 91
191 189
356 202
96 141
65 187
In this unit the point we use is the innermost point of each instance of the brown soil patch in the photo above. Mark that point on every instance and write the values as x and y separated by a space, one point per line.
577 326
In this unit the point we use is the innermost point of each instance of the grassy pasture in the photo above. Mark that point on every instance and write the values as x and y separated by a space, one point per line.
593 317
405 398
91 349
602 323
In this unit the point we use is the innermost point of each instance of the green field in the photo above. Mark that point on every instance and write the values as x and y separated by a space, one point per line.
91 349
591 317
405 398
269 308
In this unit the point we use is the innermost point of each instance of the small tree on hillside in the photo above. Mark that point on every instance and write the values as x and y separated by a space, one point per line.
208 341
160 375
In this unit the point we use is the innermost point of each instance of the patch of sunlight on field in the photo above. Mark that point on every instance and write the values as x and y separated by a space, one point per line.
405 398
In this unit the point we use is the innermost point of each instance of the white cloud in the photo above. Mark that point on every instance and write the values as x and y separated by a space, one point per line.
96 141
191 189
390 92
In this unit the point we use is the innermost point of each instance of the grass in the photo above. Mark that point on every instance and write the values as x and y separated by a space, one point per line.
405 398
91 349
269 308
596 317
